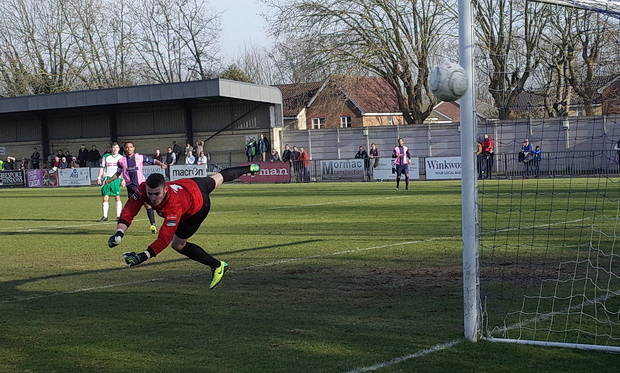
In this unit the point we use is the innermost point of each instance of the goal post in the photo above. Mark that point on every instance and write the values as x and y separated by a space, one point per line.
471 293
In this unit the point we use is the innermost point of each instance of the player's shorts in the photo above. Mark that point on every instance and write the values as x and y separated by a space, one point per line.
112 189
132 191
402 169
190 225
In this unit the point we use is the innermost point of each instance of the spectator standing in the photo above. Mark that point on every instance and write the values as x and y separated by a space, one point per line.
24 164
374 154
83 156
198 147
9 164
94 157
526 150
488 152
536 158
171 158
176 149
479 158
304 159
189 157
109 167
296 163
263 147
275 156
250 149
362 154
107 151
202 158
35 158
402 161
286 154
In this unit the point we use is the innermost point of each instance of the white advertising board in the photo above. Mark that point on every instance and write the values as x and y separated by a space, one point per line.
438 168
186 171
342 169
73 176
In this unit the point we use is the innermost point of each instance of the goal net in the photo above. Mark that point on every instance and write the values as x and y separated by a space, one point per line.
549 234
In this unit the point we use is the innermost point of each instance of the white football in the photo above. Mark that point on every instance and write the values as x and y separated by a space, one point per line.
448 81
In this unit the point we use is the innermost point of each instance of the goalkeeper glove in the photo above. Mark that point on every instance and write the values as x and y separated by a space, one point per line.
116 238
132 259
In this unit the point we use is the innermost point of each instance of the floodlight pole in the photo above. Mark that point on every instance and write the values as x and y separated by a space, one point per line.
471 290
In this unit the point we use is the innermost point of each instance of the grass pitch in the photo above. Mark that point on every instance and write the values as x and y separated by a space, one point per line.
331 277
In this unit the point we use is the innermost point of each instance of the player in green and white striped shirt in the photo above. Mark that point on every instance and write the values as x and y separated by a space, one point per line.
109 167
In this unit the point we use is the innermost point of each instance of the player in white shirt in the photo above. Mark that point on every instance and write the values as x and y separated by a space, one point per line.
109 167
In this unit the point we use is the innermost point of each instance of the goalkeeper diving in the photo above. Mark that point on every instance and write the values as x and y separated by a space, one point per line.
184 204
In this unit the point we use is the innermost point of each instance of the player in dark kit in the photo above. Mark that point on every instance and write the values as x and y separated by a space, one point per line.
184 204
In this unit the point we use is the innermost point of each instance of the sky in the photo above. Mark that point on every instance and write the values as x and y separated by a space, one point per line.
241 25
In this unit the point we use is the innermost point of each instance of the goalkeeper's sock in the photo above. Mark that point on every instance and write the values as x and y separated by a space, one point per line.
106 208
119 208
230 174
197 253
151 215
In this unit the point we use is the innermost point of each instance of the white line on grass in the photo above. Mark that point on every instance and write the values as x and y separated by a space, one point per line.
399 360
25 230
232 270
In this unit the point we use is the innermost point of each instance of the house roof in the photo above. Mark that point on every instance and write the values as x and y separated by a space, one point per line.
295 97
532 99
450 110
370 94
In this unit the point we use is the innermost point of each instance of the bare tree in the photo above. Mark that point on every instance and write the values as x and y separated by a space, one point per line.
509 32
592 34
101 40
393 39
261 66
176 40
35 52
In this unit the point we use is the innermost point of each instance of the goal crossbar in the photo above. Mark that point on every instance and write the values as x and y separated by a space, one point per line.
610 7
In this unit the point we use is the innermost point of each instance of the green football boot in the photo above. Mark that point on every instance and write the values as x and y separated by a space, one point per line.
218 273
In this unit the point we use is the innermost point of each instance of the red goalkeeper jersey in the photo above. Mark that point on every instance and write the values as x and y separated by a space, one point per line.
183 199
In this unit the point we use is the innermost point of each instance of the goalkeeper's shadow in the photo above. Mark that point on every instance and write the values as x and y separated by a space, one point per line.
11 288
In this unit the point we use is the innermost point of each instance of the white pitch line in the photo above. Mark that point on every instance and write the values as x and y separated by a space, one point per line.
36 229
414 355
289 260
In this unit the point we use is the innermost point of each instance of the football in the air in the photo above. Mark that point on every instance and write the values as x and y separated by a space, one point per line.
448 81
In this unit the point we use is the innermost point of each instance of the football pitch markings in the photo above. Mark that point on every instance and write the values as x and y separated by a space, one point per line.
398 360
96 223
414 355
202 273
394 361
